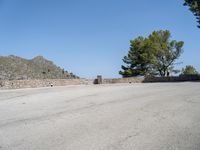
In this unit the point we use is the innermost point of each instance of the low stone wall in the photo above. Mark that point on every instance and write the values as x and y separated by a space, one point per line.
124 80
173 79
16 84
152 79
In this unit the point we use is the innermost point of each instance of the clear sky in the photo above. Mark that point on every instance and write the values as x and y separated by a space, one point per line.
90 37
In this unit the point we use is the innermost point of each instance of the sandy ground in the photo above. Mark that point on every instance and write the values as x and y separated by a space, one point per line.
159 116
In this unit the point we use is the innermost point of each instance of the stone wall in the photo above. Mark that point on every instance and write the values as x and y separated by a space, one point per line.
16 84
152 79
124 80
173 79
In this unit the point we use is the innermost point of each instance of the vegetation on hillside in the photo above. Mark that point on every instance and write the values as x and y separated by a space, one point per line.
16 68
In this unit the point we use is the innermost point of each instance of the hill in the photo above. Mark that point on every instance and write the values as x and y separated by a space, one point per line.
17 68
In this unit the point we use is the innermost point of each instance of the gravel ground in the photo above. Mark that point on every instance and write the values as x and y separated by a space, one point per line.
158 116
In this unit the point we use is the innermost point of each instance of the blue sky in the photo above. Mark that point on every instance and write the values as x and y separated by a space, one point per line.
91 37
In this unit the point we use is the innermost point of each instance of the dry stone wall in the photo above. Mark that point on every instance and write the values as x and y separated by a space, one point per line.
173 79
16 84
123 80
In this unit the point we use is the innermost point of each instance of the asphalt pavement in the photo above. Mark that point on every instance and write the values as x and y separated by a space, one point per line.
150 116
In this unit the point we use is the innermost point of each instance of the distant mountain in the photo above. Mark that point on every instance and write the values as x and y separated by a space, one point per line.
17 68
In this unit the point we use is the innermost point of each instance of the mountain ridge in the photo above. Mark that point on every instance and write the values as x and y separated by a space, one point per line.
17 68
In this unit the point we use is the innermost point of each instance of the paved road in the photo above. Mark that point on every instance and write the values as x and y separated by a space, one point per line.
106 117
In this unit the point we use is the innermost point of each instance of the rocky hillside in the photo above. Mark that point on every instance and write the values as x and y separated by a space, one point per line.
17 68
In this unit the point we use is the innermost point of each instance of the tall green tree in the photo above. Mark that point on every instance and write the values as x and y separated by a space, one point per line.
194 6
154 55
138 59
189 70
165 52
